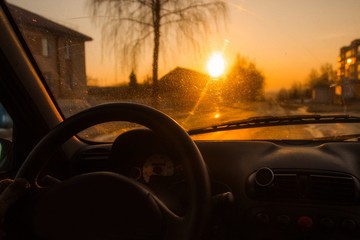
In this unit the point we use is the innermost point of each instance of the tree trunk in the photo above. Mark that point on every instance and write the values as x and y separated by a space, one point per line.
156 19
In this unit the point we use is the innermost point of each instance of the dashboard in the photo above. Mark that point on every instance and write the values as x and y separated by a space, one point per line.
260 189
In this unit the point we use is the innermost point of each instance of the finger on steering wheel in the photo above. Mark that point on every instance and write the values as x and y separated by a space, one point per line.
4 184
11 191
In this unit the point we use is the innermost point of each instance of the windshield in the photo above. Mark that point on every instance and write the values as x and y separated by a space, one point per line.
203 62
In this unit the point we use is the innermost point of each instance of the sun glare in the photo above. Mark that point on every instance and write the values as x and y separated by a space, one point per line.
216 65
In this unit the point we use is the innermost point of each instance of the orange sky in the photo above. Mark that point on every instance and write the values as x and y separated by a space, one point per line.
285 38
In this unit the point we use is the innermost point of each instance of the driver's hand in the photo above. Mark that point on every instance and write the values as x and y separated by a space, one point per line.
10 192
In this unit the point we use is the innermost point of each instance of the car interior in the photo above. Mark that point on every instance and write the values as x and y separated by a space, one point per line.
156 181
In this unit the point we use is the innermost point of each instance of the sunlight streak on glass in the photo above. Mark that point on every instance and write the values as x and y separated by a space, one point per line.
194 109
240 8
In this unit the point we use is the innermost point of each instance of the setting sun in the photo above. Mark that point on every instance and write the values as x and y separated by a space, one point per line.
216 65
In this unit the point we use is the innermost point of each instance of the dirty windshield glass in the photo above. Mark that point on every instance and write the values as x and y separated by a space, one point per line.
201 62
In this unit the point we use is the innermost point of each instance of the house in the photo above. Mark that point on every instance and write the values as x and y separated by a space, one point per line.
348 73
58 50
323 94
183 86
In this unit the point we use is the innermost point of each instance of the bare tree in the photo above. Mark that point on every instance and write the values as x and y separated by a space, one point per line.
244 82
325 77
136 23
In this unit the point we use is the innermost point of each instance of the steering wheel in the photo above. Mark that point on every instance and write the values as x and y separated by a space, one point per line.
105 205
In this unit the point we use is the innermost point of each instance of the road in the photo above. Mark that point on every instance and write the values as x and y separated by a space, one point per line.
205 115
213 112
309 131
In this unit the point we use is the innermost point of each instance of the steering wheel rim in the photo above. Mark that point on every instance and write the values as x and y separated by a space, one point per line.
176 137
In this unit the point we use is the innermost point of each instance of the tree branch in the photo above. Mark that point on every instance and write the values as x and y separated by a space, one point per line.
171 21
135 21
120 19
143 37
181 10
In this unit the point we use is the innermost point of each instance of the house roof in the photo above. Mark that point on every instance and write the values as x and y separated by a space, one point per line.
183 79
30 19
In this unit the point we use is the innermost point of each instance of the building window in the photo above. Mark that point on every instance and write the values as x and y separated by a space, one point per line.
351 71
349 53
67 51
45 47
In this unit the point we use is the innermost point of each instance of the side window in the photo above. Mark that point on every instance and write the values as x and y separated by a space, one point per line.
6 135
6 124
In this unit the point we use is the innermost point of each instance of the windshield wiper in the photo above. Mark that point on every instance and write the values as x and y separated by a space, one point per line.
266 121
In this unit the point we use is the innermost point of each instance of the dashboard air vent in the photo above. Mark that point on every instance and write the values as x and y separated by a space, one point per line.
305 186
286 186
337 188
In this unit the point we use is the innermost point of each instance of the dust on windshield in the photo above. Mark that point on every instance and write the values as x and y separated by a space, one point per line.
201 62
